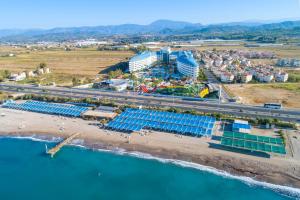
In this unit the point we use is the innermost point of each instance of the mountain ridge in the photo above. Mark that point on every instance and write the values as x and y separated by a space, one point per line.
159 27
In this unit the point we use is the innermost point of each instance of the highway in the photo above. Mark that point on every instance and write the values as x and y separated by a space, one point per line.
166 101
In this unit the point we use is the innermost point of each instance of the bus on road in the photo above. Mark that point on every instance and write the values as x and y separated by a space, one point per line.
273 105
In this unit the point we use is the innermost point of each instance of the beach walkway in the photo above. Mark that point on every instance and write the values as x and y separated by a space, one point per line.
55 149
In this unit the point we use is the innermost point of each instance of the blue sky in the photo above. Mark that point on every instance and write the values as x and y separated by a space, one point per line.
66 13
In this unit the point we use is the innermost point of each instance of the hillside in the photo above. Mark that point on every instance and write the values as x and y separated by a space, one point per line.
162 28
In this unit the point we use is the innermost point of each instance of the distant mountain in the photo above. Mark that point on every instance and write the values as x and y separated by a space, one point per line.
95 31
163 24
158 28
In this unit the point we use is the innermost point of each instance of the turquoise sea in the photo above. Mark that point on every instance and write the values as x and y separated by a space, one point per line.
78 173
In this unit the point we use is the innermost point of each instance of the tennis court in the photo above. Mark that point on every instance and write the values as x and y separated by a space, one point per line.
253 142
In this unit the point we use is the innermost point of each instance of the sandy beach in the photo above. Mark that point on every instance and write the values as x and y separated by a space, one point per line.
282 170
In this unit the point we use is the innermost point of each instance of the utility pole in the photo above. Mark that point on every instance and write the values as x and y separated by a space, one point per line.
220 93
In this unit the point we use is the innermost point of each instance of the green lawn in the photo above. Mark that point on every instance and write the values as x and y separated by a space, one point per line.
294 76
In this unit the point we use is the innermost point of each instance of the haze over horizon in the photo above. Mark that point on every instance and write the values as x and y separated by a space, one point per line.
76 13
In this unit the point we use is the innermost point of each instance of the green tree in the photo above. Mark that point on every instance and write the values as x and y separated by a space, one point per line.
114 74
202 76
42 65
4 74
76 81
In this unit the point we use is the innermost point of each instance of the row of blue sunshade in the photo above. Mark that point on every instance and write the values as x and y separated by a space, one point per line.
137 119
48 108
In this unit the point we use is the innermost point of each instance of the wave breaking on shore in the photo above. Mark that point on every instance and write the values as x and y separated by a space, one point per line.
284 190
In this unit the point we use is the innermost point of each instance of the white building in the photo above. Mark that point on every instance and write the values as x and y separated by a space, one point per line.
288 62
40 71
227 77
218 62
113 84
267 78
187 65
281 77
31 74
47 70
296 63
17 77
246 77
142 61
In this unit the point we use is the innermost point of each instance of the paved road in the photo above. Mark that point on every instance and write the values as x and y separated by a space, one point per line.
217 85
133 98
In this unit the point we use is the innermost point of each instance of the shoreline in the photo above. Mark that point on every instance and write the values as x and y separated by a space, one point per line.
277 170
220 164
290 191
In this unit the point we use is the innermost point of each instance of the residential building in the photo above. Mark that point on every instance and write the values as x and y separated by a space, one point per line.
295 63
40 71
281 77
264 77
246 77
288 62
47 70
17 77
227 77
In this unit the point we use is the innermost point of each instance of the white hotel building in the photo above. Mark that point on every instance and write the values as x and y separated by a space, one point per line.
187 65
142 61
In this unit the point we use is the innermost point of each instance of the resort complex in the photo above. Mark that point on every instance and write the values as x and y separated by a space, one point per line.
184 60
98 102
187 65
236 135
142 61
171 104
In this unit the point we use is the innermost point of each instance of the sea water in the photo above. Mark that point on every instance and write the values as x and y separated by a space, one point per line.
26 172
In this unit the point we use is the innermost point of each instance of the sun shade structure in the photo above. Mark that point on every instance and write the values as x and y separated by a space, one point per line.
253 142
137 119
47 108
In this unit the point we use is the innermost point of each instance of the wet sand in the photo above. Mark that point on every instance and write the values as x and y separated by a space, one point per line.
282 170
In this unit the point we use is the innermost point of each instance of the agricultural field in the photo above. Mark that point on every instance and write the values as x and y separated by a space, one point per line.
3 95
79 61
286 93
280 51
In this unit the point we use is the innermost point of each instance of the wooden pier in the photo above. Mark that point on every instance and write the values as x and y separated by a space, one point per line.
55 149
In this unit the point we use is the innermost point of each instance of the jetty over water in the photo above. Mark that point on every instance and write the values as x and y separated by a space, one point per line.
66 141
